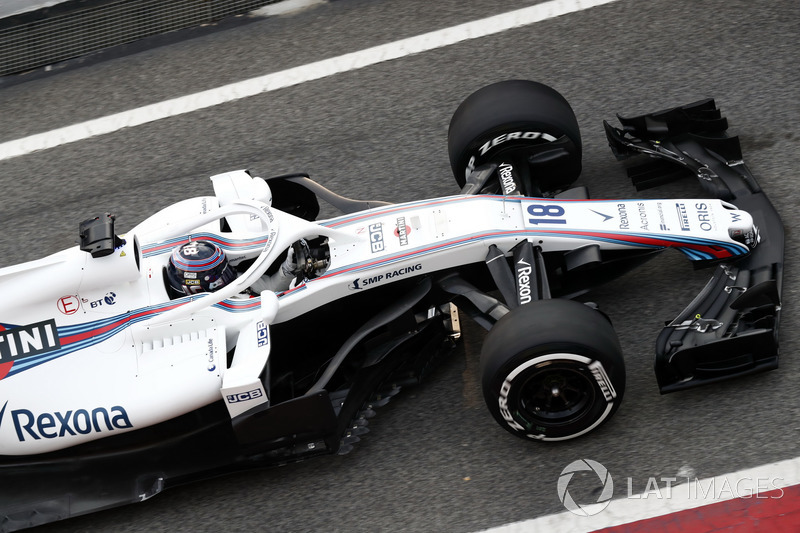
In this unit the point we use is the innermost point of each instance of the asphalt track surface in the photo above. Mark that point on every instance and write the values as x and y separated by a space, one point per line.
434 460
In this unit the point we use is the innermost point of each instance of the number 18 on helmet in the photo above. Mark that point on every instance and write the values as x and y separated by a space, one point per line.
198 266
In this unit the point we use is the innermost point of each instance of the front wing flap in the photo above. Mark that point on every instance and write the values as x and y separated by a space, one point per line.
731 328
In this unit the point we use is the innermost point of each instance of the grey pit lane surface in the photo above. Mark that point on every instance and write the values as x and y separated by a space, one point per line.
434 460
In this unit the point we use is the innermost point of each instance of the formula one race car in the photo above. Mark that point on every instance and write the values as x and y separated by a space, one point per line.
170 353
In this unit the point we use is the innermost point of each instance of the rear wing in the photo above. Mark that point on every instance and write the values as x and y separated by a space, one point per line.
731 328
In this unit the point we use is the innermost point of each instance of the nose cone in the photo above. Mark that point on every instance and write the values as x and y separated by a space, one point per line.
742 229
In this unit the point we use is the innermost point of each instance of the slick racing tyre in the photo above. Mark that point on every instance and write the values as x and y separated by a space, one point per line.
552 370
521 123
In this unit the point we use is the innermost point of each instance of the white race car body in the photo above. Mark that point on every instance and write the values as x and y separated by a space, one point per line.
100 348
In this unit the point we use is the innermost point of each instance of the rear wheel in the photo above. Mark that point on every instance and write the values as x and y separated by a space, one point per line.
552 370
522 124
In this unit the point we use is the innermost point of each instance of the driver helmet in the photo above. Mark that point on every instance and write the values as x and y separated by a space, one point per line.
198 266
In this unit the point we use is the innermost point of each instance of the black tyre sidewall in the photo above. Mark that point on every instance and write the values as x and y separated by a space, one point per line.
511 106
529 336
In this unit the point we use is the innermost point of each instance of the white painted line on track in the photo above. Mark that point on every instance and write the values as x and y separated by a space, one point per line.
697 493
285 7
294 76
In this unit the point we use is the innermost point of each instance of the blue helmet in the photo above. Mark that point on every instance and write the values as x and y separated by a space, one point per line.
198 266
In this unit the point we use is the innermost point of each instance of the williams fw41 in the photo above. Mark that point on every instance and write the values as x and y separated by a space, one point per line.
236 330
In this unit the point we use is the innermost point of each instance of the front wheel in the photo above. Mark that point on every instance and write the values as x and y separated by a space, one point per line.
552 370
523 127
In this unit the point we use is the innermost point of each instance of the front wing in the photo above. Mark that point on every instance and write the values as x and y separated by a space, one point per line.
731 328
